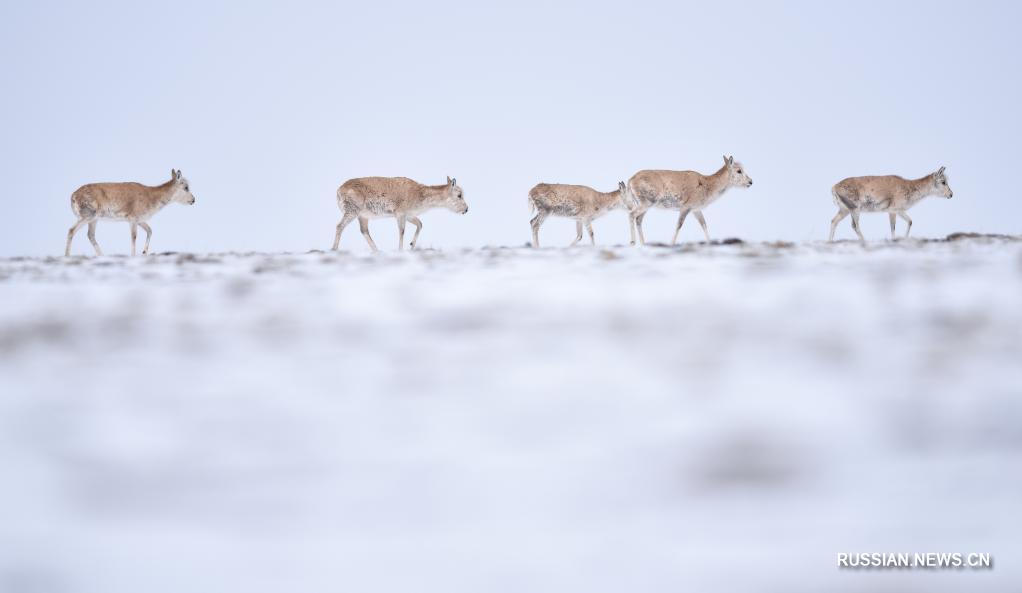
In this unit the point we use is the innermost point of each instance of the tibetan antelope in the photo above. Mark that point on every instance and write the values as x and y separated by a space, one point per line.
133 202
398 197
582 203
889 193
685 191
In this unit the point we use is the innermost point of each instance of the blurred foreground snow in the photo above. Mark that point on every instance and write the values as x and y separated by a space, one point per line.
708 418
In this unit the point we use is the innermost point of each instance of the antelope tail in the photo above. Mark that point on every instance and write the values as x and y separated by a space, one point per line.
629 199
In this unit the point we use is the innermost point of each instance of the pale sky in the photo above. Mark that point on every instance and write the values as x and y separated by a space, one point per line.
268 107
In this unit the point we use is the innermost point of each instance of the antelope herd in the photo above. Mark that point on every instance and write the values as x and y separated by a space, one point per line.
403 199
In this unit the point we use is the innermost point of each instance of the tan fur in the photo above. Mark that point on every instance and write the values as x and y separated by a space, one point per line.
685 191
399 197
580 202
132 202
887 193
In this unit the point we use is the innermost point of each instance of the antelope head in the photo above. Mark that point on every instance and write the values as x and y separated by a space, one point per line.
736 174
455 197
182 193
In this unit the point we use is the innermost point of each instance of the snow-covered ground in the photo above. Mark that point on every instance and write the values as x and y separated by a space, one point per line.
708 418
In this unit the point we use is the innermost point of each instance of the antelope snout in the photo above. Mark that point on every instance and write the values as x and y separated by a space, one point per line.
191 202
465 211
749 184
950 194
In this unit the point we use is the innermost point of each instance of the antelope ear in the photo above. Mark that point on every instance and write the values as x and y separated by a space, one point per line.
940 171
448 180
731 160
173 173
453 181
621 186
